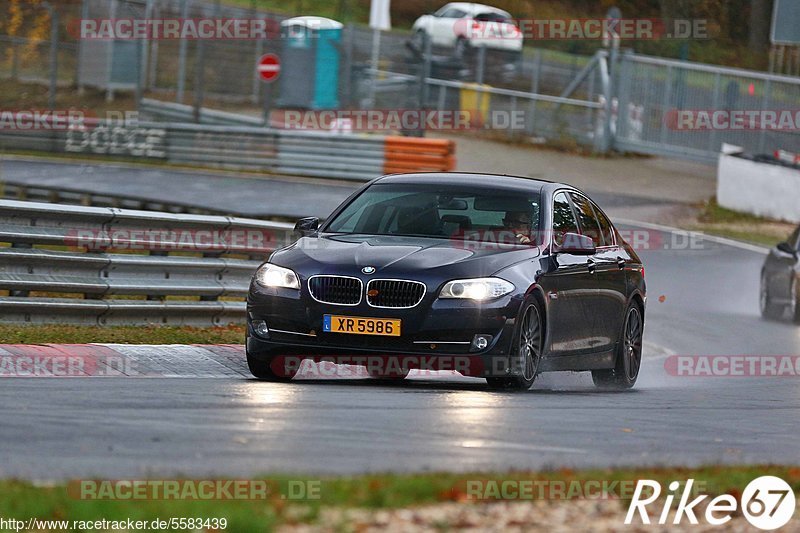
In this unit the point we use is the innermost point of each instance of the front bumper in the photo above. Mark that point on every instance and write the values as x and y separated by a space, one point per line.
434 330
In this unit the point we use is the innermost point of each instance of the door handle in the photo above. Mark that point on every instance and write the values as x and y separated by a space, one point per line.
591 265
620 263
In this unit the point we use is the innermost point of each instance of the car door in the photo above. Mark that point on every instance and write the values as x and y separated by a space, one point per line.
567 285
600 305
612 283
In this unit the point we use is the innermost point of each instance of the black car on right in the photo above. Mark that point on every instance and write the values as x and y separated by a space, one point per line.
779 280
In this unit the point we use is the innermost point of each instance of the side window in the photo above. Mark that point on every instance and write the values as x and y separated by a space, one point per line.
588 222
442 10
605 226
563 219
453 13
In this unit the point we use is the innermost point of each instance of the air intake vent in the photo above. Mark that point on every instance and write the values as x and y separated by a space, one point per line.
395 293
338 290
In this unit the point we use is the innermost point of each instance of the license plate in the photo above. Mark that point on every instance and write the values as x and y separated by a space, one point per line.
361 326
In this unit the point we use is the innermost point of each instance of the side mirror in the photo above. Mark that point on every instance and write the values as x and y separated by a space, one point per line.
307 226
786 248
577 245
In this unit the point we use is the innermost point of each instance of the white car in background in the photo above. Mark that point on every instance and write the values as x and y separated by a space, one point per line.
464 25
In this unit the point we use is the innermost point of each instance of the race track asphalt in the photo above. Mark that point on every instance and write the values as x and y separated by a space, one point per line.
215 420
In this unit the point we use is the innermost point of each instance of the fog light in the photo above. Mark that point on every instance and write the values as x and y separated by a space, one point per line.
260 327
480 342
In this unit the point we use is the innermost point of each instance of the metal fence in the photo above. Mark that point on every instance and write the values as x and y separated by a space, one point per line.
652 89
127 267
634 118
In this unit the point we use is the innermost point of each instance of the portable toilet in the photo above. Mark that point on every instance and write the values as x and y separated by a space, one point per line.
310 63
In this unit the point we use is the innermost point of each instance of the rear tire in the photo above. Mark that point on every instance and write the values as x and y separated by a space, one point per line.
629 355
768 309
526 354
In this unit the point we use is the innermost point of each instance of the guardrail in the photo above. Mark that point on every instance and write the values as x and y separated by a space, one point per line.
92 265
303 153
14 190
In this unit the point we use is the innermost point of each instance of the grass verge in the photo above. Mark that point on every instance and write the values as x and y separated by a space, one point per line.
56 334
717 220
23 500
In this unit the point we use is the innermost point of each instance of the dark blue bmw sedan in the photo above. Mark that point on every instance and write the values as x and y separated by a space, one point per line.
493 276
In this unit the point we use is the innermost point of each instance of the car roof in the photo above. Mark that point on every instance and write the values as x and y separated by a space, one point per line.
473 8
478 179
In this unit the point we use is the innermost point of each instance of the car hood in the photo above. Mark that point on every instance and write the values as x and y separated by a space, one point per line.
399 256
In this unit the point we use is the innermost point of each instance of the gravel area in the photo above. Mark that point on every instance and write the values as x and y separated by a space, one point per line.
540 515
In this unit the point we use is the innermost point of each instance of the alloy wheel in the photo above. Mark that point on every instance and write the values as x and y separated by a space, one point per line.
633 343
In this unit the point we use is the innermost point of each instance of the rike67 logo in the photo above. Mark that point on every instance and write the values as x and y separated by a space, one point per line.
767 502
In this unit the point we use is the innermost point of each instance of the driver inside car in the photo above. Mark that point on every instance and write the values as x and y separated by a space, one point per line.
519 223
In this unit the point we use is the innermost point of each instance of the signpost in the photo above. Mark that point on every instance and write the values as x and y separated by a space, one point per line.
269 68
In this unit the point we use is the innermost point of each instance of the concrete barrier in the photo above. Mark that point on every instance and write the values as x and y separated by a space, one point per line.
758 188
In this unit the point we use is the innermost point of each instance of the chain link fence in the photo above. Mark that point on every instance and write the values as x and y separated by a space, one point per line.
628 102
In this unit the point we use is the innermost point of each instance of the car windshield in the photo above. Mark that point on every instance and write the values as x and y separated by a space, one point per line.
441 211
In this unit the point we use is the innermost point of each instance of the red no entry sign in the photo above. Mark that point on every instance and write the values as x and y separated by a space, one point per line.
269 67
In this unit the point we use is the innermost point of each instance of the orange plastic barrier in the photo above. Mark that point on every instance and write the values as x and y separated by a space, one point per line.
412 154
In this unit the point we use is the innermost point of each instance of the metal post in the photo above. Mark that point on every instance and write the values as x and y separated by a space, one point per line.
603 143
15 58
347 68
53 55
153 56
182 56
479 75
712 143
259 51
622 84
267 103
256 75
537 68
142 57
376 53
512 122
81 51
425 71
665 104
139 62
764 106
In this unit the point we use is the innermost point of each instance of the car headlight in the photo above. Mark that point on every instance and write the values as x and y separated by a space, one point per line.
269 275
476 289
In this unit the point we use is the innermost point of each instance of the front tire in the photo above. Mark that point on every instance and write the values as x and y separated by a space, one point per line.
768 309
794 307
263 369
527 353
629 355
